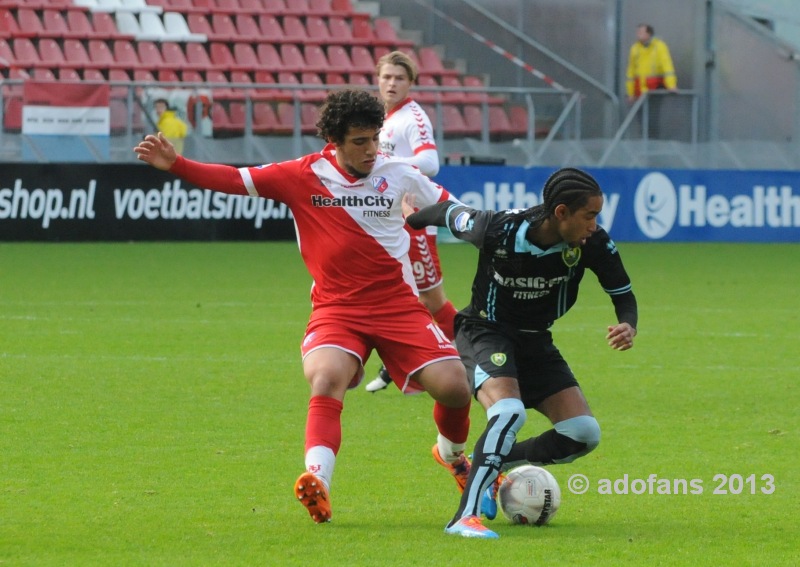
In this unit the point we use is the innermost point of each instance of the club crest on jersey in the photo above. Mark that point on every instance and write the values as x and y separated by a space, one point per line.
380 184
571 256
498 358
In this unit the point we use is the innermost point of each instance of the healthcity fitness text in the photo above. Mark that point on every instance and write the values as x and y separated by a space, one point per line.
171 202
719 484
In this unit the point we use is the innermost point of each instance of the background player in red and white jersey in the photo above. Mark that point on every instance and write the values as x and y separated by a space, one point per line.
407 135
346 203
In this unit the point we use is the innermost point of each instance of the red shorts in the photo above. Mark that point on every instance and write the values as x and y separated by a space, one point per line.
424 258
405 336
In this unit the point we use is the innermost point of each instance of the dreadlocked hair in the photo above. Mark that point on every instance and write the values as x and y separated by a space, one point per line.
345 109
567 186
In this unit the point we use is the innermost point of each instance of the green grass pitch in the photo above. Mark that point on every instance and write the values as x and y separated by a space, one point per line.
152 411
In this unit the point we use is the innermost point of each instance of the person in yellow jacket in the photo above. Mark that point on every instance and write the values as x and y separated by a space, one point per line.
649 64
650 68
170 124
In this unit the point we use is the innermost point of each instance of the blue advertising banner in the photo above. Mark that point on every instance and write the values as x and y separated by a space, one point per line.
655 205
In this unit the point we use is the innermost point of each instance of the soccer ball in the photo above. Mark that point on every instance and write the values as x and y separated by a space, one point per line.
529 495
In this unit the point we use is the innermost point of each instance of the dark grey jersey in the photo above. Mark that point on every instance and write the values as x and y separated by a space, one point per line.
521 286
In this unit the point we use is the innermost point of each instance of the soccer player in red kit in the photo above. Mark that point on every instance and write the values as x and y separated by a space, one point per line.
346 203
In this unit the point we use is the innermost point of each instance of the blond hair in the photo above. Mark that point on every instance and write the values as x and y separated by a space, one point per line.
401 60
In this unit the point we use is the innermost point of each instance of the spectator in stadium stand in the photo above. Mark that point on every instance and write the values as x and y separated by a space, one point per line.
407 135
530 266
172 126
650 68
347 206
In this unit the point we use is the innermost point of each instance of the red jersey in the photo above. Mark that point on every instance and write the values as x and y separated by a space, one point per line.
349 230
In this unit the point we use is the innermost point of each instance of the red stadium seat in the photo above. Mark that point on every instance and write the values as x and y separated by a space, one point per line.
453 122
43 74
478 97
237 112
222 125
265 77
265 121
294 30
312 95
143 76
252 6
362 29
359 80
174 55
270 28
385 34
224 28
268 57
499 124
197 57
243 77
343 6
100 54
125 54
454 97
29 23
247 28
76 53
317 29
8 24
340 31
217 78
518 116
245 57
192 76
25 52
226 6
68 75
292 58
149 55
221 56
362 61
94 75
473 118
79 24
309 114
338 59
429 62
50 53
55 24
199 24
277 7
426 96
104 26
167 76
319 7
316 59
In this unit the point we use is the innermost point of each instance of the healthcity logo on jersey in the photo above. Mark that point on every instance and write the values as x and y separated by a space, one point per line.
659 206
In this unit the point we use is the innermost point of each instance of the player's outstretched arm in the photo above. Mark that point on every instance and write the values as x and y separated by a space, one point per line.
157 151
620 336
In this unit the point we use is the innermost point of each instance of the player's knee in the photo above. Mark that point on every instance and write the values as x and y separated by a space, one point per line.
584 431
512 412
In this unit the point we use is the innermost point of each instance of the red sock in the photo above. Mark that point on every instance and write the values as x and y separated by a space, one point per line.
324 423
445 319
453 423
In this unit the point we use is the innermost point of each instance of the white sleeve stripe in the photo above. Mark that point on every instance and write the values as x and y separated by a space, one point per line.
248 181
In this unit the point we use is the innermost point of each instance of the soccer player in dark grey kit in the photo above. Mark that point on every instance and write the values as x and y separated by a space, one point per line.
530 266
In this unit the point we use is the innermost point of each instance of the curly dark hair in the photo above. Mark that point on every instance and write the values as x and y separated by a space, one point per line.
345 109
567 186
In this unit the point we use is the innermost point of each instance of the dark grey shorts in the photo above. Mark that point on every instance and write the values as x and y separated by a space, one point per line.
531 357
